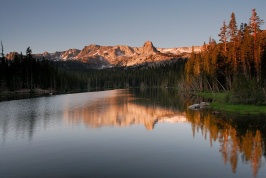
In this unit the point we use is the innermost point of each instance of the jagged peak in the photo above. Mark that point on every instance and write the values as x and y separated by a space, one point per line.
149 43
149 48
116 55
94 45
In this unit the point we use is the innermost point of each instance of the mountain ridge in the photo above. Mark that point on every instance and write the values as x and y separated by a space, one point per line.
120 55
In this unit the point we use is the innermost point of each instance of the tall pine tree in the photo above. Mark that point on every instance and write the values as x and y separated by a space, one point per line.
255 23
232 34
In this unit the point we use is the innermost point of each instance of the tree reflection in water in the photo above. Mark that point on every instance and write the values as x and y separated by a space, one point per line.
239 136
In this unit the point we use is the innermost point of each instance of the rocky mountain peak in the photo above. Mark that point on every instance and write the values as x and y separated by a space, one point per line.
148 48
97 56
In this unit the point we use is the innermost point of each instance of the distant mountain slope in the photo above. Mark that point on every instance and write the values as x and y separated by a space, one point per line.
98 56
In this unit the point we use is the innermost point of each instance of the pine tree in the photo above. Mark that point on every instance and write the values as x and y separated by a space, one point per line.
232 28
29 62
232 34
2 67
29 53
240 39
2 50
255 23
223 36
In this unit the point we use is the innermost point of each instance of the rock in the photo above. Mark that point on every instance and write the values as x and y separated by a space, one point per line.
216 112
194 106
148 48
202 105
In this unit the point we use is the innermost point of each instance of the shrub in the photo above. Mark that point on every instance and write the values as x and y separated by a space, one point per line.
246 91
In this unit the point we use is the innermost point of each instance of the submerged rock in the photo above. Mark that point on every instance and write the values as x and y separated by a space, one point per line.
202 105
194 106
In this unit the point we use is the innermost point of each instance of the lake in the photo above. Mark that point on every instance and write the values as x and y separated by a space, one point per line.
127 133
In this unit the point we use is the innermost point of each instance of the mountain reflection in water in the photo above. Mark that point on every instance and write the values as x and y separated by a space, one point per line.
241 139
122 111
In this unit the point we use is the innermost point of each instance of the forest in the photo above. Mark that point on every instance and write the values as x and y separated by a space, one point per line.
26 73
236 64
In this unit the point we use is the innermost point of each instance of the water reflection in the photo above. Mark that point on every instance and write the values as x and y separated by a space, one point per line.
24 117
123 110
240 137
95 109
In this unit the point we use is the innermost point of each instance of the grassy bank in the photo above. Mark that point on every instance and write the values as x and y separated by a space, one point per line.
219 103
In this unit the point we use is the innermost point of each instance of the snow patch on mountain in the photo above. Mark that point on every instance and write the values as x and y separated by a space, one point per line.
120 55
181 50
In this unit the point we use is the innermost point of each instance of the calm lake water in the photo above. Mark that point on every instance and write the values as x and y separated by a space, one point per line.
127 133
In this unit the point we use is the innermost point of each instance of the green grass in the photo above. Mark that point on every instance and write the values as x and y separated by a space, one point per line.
220 104
217 97
239 108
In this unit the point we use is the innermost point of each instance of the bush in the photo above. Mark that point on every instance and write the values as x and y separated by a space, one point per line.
246 91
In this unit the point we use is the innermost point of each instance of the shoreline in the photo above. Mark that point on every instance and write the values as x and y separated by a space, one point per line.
219 104
28 93
25 93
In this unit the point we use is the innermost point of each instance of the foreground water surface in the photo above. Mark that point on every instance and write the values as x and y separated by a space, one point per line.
127 133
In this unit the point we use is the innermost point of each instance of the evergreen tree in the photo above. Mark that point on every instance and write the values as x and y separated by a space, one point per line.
255 23
232 34
229 65
29 53
29 61
232 28
2 50
223 36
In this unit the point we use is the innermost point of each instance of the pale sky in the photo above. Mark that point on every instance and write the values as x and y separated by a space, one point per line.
57 25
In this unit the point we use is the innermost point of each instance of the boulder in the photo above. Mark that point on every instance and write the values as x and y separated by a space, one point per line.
202 105
194 106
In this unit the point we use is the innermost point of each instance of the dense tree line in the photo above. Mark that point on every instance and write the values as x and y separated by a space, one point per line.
236 64
166 74
26 72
